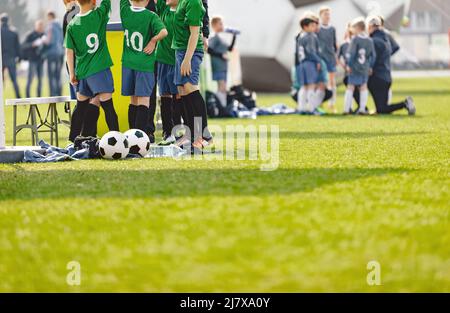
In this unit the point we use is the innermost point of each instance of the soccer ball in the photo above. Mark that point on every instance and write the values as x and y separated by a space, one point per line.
138 141
114 146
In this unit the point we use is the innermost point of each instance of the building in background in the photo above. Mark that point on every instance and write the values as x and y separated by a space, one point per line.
425 40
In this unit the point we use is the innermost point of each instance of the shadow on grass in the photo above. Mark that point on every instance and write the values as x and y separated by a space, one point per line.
342 135
422 92
402 115
129 184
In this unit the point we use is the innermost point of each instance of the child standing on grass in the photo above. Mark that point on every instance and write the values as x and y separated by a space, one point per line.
328 51
342 61
360 61
76 124
143 30
218 49
189 46
171 106
309 65
86 41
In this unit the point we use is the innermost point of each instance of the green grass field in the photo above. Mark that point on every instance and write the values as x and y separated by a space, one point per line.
349 190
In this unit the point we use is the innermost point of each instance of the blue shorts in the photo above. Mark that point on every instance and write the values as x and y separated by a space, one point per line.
218 76
331 65
166 79
194 78
357 80
93 85
307 73
136 83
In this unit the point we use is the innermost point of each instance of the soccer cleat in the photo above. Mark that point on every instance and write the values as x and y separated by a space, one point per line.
322 111
167 141
361 112
318 112
183 142
410 106
202 143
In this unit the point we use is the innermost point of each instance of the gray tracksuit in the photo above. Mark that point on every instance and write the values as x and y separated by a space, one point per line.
361 55
308 47
327 43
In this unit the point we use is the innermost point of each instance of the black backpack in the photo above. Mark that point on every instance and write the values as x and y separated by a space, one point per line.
243 96
90 143
215 109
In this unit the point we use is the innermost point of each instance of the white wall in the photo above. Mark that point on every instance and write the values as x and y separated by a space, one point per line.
37 7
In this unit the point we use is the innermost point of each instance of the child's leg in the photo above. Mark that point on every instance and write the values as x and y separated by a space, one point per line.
302 99
196 101
96 102
348 101
364 97
91 117
167 115
106 103
142 113
177 110
311 94
332 83
76 124
188 114
320 95
222 92
132 108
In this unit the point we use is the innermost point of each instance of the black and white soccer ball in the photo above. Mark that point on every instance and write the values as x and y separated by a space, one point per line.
138 141
114 146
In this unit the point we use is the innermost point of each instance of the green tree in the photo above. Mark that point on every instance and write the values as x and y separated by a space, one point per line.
18 16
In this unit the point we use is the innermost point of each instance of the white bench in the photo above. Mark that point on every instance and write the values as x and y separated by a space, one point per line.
35 121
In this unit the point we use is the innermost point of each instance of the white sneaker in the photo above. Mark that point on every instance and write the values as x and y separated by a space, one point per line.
410 106
168 141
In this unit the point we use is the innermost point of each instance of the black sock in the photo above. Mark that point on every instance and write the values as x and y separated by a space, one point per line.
141 117
90 121
177 111
76 124
110 114
184 113
200 111
151 127
189 112
166 115
132 116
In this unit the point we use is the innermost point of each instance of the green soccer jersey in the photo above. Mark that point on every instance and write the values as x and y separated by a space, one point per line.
165 54
86 36
189 13
140 26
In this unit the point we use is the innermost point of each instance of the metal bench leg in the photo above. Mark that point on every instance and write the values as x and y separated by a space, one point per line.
15 126
52 122
34 129
55 123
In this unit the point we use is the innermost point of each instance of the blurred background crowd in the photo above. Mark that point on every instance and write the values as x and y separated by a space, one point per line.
32 44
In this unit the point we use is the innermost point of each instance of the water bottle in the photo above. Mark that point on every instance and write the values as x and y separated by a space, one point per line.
247 114
171 151
232 31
